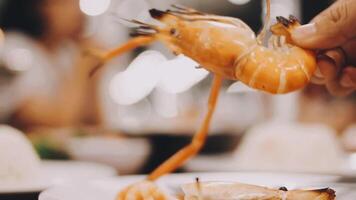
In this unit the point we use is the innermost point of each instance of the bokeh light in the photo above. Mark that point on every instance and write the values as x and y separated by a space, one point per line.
151 69
239 2
239 87
165 104
180 74
94 7
140 78
125 7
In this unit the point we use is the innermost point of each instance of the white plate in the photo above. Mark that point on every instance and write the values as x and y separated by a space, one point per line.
107 189
58 172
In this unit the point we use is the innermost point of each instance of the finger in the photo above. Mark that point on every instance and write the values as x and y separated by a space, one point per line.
335 88
330 70
348 78
318 78
337 55
330 63
328 67
330 29
350 50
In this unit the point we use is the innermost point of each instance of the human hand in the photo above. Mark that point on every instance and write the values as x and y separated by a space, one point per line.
333 32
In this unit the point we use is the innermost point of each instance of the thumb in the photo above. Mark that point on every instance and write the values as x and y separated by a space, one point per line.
332 28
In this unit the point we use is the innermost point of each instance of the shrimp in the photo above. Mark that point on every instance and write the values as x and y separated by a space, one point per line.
229 49
228 190
223 190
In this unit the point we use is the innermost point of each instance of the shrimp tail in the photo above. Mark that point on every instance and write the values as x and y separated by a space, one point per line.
292 21
285 26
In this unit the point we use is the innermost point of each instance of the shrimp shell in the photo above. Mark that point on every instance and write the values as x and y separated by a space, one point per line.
228 47
275 71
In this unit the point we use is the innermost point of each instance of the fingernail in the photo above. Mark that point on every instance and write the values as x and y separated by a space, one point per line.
304 31
346 81
318 73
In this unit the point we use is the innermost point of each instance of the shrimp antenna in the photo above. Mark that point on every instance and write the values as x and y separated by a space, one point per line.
143 29
262 34
140 24
199 190
118 19
184 10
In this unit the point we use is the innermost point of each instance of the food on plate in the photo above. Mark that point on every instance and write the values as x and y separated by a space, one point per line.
239 191
223 191
144 190
18 159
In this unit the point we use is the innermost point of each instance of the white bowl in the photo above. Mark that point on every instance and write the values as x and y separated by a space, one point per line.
127 155
54 173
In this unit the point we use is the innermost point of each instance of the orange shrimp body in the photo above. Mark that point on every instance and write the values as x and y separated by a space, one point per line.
228 47
276 71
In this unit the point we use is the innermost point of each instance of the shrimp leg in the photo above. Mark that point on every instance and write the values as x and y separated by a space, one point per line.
262 34
131 44
198 140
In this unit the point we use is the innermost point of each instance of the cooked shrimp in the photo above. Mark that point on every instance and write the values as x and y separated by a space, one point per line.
229 49
147 190
239 191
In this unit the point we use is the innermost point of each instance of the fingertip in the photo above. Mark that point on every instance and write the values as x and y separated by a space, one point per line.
302 35
346 81
310 36
315 35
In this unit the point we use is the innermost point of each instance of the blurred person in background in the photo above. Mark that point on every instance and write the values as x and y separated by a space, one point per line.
44 72
334 33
